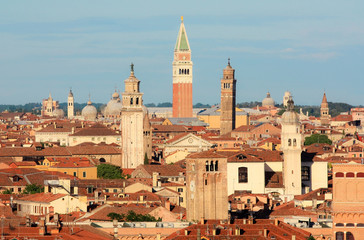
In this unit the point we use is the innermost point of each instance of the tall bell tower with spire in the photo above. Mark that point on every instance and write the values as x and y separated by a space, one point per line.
182 75
132 115
228 99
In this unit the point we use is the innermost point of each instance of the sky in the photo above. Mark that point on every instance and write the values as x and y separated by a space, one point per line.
305 47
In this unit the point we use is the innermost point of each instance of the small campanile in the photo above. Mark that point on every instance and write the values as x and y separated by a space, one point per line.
291 140
70 107
182 75
324 110
132 123
228 99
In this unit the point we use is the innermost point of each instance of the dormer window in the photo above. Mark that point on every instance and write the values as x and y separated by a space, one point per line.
15 178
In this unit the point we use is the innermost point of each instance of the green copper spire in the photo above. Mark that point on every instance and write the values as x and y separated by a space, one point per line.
182 40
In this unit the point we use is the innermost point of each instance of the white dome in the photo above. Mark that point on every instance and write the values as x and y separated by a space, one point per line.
58 113
268 101
89 112
113 108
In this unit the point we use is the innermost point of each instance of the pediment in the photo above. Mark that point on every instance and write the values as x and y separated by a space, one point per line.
190 140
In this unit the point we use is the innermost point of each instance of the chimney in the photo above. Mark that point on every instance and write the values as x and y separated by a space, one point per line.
155 179
276 222
293 237
265 231
73 130
158 236
141 198
42 227
244 221
237 231
202 221
186 232
167 205
115 224
214 231
314 203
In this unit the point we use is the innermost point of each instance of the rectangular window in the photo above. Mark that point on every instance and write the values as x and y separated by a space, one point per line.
106 190
243 174
115 190
84 174
180 199
11 189
19 190
75 174
180 189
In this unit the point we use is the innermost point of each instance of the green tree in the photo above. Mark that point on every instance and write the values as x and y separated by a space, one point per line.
317 138
146 160
119 217
108 171
7 191
33 188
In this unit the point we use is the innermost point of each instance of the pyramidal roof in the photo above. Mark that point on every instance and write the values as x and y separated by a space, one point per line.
324 99
182 43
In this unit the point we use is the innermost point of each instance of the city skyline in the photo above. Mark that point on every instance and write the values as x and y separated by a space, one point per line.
273 47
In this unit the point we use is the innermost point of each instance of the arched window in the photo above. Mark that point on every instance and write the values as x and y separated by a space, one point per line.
180 71
339 174
216 166
350 174
137 101
349 236
339 236
131 101
350 225
305 173
211 166
188 71
243 174
360 225
102 160
339 225
289 142
294 142
207 166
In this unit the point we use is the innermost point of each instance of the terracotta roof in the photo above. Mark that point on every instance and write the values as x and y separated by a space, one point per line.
94 150
96 130
343 118
163 170
289 209
42 197
102 212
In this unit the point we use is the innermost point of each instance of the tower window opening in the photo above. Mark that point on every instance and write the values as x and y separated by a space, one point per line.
180 71
137 101
188 71
294 142
131 101
207 166
211 166
216 166
289 142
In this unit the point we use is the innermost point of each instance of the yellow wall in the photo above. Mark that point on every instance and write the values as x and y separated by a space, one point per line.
214 121
91 172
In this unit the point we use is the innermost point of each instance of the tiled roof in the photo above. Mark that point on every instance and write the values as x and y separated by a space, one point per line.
96 130
42 197
289 209
163 170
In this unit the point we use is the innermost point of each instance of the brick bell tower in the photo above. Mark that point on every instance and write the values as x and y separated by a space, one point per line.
228 100
182 75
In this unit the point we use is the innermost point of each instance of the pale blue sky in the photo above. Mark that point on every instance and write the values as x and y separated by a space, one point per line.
305 47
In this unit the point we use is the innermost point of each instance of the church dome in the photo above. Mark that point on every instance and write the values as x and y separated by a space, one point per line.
115 95
268 101
89 112
58 113
114 106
